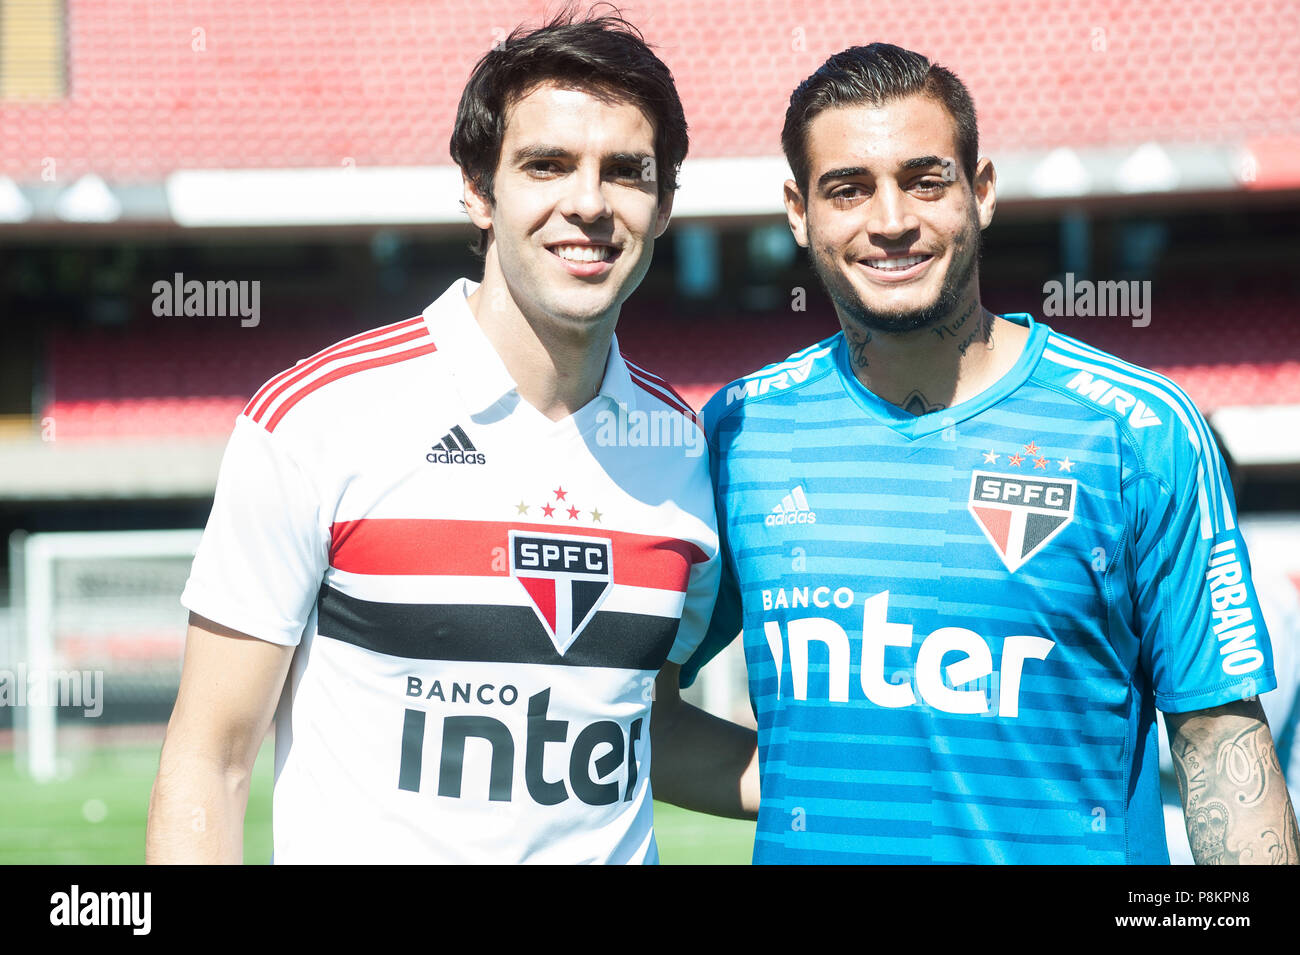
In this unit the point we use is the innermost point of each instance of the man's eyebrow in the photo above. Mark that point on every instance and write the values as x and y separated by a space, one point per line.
539 151
636 158
921 162
845 172
907 165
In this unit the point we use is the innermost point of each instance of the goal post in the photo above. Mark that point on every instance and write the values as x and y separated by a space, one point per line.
97 609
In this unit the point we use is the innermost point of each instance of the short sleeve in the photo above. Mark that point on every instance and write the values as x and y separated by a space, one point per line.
259 565
724 622
723 626
1204 641
702 589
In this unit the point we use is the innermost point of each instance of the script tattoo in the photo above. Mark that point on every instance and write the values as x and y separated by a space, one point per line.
1233 792
984 332
858 342
950 329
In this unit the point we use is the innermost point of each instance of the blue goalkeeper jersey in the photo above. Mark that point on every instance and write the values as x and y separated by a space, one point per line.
958 626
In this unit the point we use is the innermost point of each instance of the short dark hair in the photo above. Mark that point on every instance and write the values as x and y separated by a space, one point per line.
873 75
603 54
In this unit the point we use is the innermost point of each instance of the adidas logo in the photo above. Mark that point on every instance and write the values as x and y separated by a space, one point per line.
793 509
455 448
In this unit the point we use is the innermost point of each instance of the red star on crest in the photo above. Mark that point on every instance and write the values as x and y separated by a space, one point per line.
559 493
1040 464
548 510
1031 449
573 513
1014 460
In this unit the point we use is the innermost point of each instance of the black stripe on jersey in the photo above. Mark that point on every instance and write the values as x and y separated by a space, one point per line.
463 438
492 633
448 443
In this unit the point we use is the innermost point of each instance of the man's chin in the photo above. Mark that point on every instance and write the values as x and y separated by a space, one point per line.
893 321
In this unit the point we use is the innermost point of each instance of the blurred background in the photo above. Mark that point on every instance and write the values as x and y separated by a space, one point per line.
303 146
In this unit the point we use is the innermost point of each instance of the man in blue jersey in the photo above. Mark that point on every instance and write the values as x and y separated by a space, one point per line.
970 557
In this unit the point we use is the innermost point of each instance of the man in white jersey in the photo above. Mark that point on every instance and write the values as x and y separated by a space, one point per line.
457 596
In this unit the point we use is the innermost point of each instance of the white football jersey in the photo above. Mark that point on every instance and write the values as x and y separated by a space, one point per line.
480 597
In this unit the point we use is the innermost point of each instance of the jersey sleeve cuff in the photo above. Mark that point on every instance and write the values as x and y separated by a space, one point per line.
286 634
1218 695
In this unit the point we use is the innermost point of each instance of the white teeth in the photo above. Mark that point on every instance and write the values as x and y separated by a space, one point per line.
906 262
583 253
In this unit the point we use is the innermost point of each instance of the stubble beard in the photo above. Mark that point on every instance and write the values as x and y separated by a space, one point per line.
857 313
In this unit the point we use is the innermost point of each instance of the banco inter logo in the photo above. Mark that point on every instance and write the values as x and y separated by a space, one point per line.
566 577
455 448
1020 515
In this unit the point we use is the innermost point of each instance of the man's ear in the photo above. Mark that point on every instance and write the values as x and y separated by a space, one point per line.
796 212
986 191
477 206
665 213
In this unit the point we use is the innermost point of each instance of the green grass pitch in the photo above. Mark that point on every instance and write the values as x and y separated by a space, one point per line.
96 815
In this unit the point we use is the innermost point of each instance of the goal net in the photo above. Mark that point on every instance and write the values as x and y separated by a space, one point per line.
99 637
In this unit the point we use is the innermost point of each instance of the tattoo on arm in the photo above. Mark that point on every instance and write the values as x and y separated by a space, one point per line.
1235 800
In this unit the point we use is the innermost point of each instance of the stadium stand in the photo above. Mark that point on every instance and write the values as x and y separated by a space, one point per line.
127 383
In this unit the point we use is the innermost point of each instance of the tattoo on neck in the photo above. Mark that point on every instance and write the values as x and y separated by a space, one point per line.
951 328
858 342
984 332
917 404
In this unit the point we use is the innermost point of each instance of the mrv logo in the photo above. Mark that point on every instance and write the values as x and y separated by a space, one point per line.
1104 393
600 790
937 684
757 385
567 579
1018 515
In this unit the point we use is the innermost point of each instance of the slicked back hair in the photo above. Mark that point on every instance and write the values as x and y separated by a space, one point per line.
603 55
872 76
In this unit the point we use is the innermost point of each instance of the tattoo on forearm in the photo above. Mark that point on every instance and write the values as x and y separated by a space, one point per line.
1234 796
858 342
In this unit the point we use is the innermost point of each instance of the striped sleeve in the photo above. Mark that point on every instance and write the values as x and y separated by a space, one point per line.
1202 634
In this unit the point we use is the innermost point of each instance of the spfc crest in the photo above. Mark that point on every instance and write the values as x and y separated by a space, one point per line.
1020 515
566 577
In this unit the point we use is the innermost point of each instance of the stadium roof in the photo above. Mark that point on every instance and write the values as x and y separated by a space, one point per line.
186 111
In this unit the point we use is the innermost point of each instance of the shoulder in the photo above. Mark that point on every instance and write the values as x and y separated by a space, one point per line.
784 377
661 394
1158 420
298 388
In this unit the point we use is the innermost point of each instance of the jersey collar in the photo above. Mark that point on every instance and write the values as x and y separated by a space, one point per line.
480 374
911 426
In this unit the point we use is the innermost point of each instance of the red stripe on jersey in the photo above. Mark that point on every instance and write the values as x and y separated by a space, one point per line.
650 376
309 368
336 347
645 386
422 546
343 372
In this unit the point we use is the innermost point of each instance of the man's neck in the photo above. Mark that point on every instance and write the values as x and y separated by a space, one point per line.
557 371
933 368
